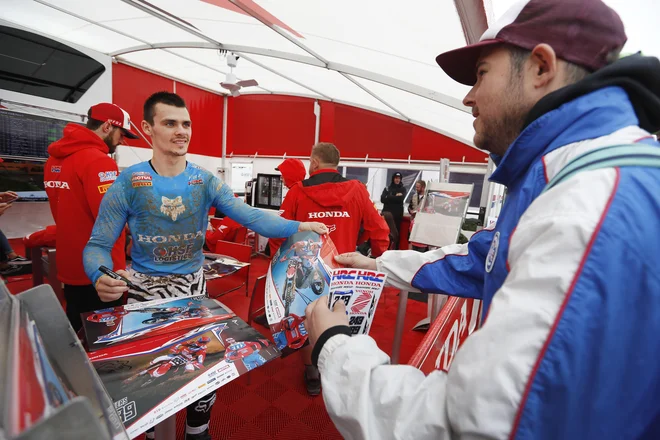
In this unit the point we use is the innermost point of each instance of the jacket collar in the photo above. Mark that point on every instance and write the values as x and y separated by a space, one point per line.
590 116
324 170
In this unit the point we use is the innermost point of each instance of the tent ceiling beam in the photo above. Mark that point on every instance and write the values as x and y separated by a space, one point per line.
263 66
254 14
228 47
171 21
423 92
95 23
387 104
146 43
472 14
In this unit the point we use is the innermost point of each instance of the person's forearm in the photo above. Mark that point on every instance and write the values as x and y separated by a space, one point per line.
367 398
97 253
264 223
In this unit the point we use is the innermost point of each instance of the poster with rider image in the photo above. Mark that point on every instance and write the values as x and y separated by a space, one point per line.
439 218
449 203
303 270
151 379
107 327
299 273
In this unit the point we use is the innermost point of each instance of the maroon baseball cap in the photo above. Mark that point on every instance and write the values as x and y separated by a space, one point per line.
583 32
115 115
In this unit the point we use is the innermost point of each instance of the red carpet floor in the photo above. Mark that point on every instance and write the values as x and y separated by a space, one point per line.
275 404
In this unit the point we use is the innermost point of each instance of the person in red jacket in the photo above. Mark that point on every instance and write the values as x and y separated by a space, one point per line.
344 206
76 176
293 171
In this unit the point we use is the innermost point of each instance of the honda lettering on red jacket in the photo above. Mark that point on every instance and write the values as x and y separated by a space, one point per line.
342 205
77 175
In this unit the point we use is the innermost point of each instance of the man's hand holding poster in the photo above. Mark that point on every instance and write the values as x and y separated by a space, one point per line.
303 270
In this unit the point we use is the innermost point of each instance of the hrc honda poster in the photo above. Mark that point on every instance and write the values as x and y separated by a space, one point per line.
360 291
151 379
299 273
303 270
112 326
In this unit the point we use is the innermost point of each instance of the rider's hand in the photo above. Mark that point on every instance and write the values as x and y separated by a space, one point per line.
319 318
110 289
357 260
317 227
8 196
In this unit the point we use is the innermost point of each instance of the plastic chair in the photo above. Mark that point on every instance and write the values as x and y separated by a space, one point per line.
44 263
241 235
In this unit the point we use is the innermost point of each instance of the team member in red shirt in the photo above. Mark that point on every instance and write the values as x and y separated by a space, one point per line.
344 206
77 175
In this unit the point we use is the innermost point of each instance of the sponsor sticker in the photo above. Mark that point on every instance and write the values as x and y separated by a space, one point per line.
140 176
107 176
56 169
104 188
140 184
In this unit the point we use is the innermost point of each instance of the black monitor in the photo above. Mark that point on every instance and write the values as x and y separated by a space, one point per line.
268 193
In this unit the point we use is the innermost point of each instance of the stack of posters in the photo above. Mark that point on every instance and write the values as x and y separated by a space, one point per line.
303 270
182 353
112 326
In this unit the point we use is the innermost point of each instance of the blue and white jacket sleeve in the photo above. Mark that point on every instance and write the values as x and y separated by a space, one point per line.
109 224
456 269
548 363
264 223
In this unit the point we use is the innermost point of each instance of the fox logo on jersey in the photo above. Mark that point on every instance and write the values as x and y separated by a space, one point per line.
172 207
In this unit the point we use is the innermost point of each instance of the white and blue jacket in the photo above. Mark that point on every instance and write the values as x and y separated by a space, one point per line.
570 344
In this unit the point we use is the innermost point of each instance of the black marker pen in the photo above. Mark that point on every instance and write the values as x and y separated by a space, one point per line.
116 276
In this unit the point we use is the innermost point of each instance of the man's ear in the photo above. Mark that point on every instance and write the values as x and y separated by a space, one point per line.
545 65
107 127
146 128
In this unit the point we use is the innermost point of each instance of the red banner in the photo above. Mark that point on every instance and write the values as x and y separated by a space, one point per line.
456 321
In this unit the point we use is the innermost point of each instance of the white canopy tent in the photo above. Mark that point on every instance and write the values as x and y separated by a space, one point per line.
373 54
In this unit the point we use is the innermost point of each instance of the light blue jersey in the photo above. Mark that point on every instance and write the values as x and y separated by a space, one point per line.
168 217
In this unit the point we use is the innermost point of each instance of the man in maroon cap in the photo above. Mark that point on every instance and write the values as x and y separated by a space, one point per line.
567 278
76 176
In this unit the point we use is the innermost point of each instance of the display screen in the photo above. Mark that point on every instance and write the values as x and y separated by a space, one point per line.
28 135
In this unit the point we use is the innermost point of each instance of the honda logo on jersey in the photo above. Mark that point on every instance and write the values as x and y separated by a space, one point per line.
326 214
56 184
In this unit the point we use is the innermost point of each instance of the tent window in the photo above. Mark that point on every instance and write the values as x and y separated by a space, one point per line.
38 66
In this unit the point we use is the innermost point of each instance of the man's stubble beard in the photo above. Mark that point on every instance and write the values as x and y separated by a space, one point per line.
500 133
108 141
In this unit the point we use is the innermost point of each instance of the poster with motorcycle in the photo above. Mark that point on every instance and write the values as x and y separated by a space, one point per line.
303 270
440 217
117 325
151 379
218 266
36 385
